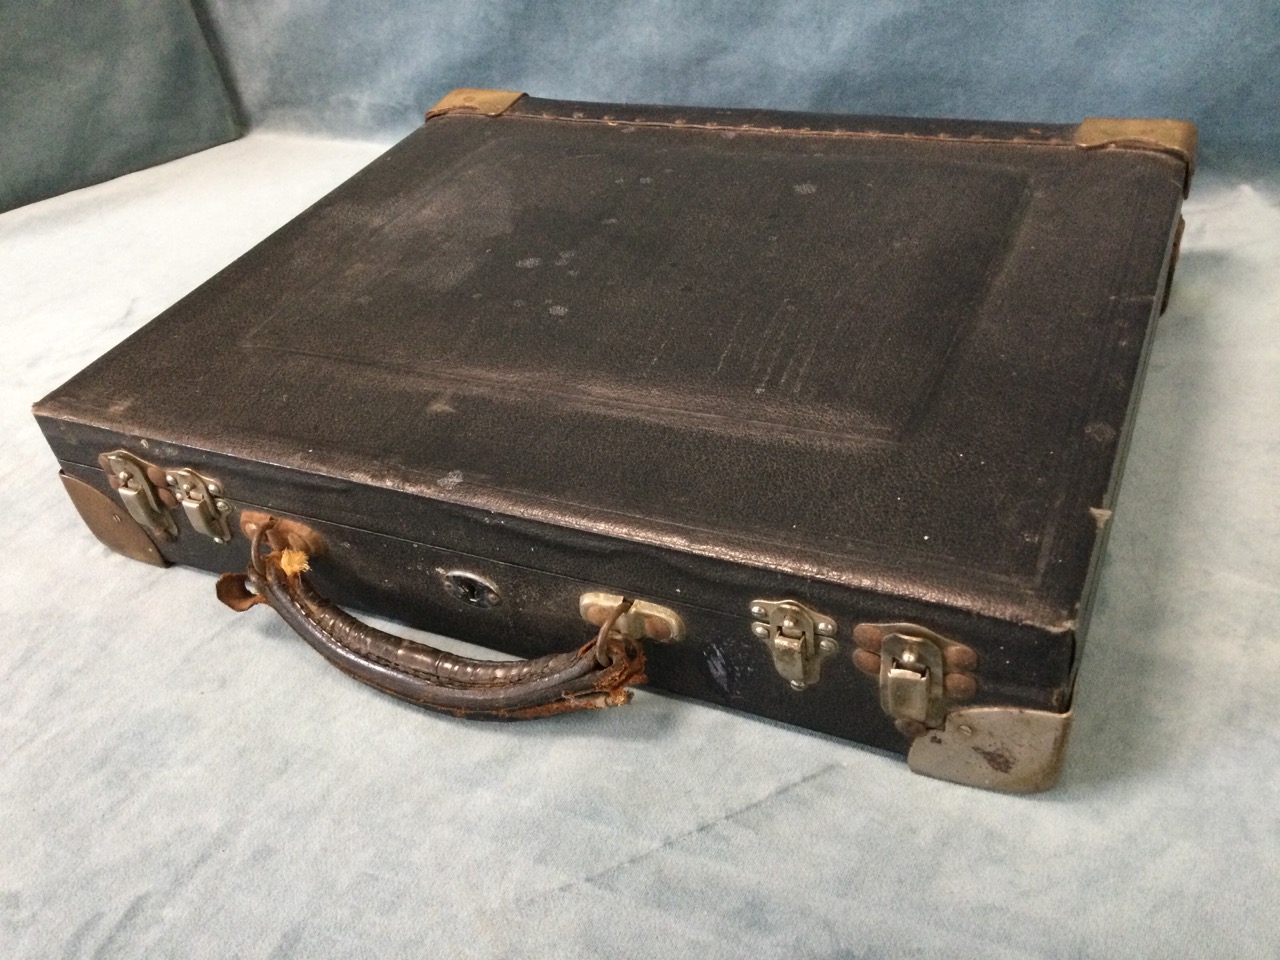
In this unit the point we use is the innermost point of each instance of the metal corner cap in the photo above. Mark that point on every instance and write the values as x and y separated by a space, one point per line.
489 103
1178 138
111 523
1009 749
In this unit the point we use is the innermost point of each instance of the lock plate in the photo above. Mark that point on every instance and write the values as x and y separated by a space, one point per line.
799 638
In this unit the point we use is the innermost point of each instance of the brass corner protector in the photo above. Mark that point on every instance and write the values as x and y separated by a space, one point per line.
1177 138
1009 749
111 523
490 103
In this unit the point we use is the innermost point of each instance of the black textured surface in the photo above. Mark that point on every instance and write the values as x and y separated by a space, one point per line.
887 375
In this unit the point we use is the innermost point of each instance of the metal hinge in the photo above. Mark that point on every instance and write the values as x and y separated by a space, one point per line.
799 639
151 493
921 673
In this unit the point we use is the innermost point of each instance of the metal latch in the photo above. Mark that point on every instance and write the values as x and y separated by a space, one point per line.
921 673
150 493
138 493
799 639
201 501
911 672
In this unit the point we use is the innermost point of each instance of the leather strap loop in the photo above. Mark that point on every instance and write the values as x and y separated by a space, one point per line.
595 675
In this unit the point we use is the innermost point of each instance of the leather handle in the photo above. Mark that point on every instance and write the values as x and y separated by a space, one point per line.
594 675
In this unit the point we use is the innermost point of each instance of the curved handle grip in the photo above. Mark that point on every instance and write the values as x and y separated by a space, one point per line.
595 675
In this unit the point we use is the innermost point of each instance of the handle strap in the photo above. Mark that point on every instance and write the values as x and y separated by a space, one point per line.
595 675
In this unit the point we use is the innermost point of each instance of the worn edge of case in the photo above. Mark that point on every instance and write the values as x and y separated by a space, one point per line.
1175 138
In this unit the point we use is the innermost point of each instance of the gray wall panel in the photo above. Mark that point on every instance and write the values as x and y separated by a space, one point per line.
94 90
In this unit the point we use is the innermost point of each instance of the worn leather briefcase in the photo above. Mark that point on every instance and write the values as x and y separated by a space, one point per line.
816 417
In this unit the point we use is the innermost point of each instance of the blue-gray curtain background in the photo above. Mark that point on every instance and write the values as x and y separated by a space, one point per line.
371 68
92 90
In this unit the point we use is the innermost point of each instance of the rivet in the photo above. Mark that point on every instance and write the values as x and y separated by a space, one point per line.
827 646
788 623
966 730
757 610
907 657
760 630
123 475
798 684
169 478
826 628
218 540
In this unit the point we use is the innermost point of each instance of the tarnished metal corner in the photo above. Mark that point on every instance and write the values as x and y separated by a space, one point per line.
489 103
1009 749
1177 138
111 523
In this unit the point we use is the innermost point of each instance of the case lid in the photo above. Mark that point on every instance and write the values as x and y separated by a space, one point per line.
892 354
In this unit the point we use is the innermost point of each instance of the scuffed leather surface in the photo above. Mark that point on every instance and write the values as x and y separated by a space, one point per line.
936 341
94 90
179 781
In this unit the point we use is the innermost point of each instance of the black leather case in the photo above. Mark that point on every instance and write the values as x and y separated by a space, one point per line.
882 368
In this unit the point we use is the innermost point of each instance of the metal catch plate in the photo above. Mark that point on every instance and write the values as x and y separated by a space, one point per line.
800 639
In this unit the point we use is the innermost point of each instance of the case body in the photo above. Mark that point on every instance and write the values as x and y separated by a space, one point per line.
885 368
